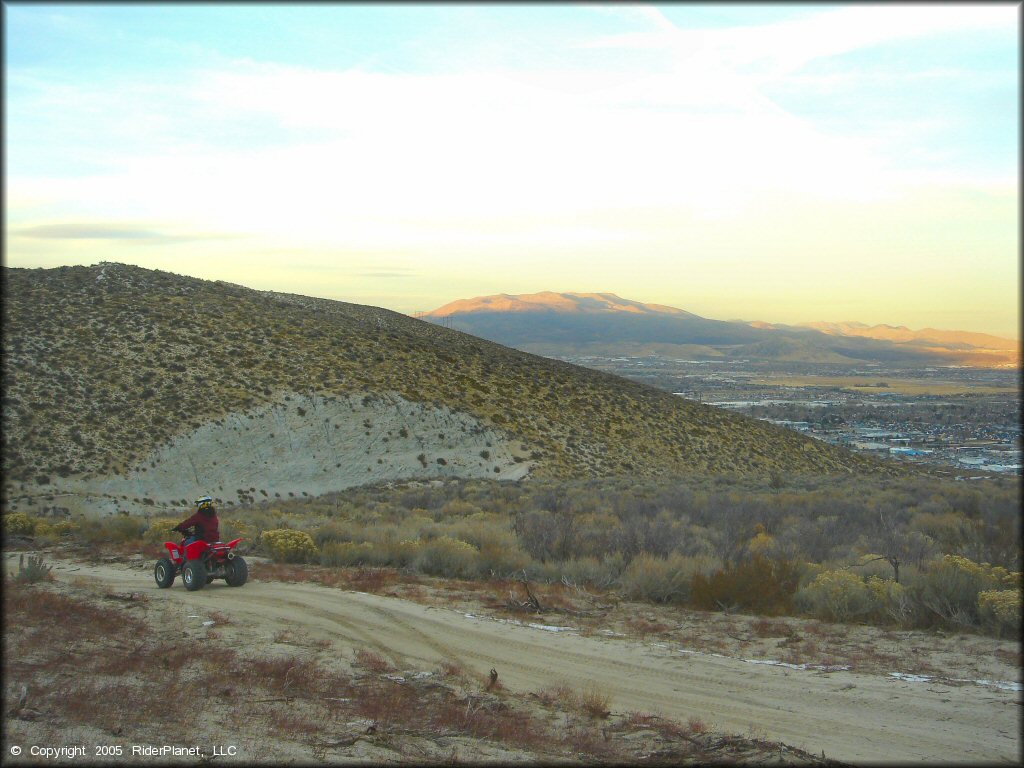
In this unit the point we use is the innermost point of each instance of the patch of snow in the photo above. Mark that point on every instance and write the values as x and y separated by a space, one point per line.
1005 686
551 628
911 678
773 663
545 627
820 667
1001 684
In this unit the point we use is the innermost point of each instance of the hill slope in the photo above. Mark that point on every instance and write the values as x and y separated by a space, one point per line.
127 388
970 348
587 323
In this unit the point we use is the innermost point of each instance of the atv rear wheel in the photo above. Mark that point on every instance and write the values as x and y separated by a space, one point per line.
164 573
194 575
238 572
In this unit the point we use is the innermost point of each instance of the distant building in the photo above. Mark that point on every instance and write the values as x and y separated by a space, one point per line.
803 426
909 451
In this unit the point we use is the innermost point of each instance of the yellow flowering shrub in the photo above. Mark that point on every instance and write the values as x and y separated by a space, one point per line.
761 544
53 531
19 524
234 529
951 588
1000 610
159 530
289 546
891 599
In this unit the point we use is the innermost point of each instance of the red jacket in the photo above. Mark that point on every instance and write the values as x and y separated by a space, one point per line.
209 526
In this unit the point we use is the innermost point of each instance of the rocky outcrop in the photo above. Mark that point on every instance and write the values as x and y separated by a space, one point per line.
299 445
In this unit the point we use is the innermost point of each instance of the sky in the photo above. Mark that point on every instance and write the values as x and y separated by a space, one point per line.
760 162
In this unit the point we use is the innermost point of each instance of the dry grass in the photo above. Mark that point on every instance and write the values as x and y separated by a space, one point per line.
595 703
373 580
450 668
373 661
1015 657
592 701
696 725
643 627
771 628
81 675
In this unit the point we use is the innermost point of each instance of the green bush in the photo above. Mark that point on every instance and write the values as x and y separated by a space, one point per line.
398 554
949 589
593 572
657 579
448 557
289 546
34 571
115 529
347 553
837 596
500 560
335 531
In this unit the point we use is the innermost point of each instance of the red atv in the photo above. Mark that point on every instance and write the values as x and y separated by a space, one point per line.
199 563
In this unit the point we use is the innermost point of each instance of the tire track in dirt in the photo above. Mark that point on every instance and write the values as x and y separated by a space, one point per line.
328 622
850 716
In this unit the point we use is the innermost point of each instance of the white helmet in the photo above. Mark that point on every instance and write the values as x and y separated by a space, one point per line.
203 502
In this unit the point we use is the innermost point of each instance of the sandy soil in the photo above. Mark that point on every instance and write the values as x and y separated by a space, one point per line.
849 715
299 445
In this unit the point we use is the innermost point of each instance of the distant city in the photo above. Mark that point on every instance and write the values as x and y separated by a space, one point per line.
966 420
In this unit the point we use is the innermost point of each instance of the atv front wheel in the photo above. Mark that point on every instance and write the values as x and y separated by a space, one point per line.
164 573
194 575
238 572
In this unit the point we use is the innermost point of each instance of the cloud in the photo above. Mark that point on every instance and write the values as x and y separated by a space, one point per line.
782 47
388 159
391 274
85 232
107 231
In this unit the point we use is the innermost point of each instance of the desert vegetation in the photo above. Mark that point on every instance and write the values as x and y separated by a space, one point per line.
910 553
103 365
279 702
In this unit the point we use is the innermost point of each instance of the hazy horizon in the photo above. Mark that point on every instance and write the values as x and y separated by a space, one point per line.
779 163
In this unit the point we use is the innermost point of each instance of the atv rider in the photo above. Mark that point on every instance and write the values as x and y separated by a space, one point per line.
204 521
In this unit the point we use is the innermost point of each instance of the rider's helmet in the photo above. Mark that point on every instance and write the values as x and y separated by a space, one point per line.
205 504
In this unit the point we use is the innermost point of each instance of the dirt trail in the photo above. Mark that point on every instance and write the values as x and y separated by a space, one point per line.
848 716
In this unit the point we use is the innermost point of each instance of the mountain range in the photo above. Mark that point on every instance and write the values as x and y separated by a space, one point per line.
126 389
563 324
